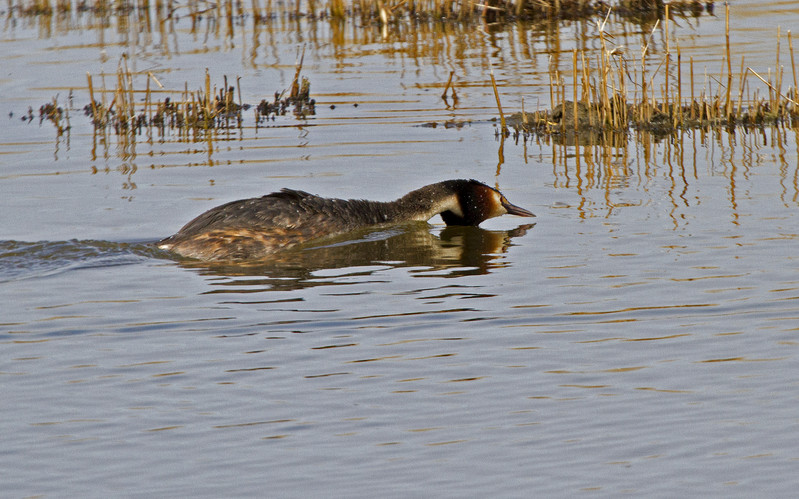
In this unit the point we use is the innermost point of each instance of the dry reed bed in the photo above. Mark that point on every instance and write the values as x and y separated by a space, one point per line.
367 11
607 92
127 110
614 93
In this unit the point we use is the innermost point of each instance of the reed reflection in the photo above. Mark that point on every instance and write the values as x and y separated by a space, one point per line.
457 250
610 172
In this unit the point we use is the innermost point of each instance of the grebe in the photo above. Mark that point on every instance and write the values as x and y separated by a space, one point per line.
252 229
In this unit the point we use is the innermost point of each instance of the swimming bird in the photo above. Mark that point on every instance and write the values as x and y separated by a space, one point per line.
253 229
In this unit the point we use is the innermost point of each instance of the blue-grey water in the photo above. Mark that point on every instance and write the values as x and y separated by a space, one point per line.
637 338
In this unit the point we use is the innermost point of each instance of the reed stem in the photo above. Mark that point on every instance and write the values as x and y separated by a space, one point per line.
793 65
91 96
727 108
574 85
499 105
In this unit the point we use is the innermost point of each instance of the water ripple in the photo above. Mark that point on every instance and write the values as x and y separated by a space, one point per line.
27 260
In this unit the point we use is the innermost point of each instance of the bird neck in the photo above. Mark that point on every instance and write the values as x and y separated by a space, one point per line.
426 202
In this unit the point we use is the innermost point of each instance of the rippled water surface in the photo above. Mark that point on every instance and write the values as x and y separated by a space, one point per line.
638 337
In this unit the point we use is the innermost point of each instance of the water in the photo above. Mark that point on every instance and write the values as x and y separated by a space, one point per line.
638 338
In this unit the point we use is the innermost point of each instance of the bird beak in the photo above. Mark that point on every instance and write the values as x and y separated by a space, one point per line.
516 210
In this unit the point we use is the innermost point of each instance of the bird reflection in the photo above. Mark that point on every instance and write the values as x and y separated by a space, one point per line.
463 250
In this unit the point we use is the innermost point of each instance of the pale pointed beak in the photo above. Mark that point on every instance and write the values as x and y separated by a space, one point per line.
516 210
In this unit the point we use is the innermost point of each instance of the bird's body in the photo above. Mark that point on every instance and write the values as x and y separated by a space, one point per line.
253 229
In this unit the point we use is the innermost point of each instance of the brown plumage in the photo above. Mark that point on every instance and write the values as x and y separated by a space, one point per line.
252 229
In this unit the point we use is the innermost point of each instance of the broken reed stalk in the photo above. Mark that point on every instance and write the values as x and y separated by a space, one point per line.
122 96
185 101
727 108
600 94
103 107
741 84
668 57
128 100
562 92
679 86
771 87
147 107
770 91
778 68
647 108
91 96
574 82
131 92
642 115
224 98
499 106
607 109
593 111
793 65
207 93
524 115
238 89
693 101
66 116
621 95
586 85
295 83
551 86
